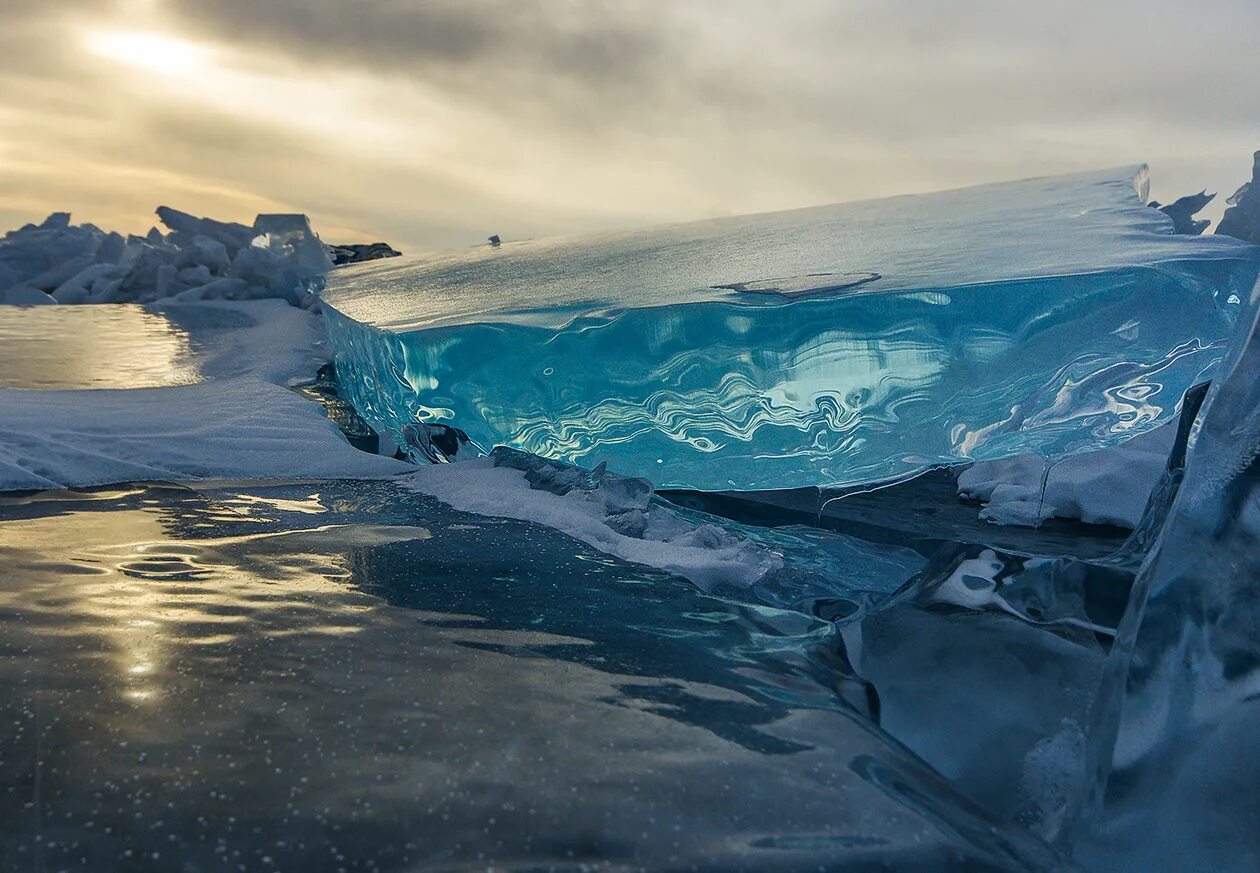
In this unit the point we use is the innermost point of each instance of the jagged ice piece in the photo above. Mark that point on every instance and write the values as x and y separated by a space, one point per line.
823 346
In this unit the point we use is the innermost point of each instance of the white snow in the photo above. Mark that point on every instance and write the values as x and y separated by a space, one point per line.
267 339
703 554
240 422
243 428
1108 486
198 259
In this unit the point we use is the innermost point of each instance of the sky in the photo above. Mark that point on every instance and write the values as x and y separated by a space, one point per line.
434 124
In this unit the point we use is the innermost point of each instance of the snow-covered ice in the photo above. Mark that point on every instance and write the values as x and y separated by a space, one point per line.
226 429
239 421
704 554
1111 485
198 259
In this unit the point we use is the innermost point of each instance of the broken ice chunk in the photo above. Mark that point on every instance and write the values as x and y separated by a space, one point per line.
435 443
291 238
1176 722
185 228
1242 219
1045 316
25 295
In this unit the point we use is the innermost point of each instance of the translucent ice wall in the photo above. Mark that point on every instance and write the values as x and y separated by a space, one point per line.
1176 752
830 345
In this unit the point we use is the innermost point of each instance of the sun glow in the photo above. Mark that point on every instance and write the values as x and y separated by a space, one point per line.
149 51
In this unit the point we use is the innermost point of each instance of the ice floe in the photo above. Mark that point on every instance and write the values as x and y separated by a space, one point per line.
830 346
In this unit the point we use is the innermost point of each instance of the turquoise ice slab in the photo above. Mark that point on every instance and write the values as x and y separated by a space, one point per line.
823 346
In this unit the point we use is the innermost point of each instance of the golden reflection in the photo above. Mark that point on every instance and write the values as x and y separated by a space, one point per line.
152 601
124 346
308 506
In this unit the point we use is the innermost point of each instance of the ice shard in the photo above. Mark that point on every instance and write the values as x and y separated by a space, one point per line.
1176 754
823 346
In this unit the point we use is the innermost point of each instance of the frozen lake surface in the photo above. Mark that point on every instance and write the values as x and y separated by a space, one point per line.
62 347
347 675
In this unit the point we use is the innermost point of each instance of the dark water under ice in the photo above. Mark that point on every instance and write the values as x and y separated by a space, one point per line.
347 676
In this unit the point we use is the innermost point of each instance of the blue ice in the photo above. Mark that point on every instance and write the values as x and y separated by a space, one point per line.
823 346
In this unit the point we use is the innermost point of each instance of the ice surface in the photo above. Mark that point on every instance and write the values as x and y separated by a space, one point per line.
289 671
868 340
1177 726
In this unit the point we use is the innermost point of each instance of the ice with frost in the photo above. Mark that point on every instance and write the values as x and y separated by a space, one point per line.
198 259
238 421
823 346
1108 486
614 514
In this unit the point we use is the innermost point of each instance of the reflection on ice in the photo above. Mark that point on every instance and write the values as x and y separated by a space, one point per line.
124 346
387 683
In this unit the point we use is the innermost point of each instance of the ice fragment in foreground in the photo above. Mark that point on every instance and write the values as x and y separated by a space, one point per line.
832 345
1242 219
1176 753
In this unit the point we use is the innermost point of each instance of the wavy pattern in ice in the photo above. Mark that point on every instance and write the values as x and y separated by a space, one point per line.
721 389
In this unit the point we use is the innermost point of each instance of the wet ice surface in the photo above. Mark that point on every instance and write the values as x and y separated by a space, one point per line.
826 346
125 346
350 676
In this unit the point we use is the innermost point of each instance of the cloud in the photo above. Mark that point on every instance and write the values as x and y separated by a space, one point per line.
437 123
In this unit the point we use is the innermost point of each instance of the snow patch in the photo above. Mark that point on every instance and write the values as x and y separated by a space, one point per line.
240 428
703 554
240 422
1107 486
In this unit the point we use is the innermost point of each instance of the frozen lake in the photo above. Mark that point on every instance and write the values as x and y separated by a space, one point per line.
345 675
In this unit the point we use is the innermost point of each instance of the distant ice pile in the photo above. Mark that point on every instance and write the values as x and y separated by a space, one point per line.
279 256
1242 219
827 346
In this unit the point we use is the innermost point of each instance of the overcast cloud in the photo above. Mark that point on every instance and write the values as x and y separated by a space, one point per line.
436 123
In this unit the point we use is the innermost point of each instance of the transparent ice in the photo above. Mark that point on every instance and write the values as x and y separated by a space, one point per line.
823 346
1176 723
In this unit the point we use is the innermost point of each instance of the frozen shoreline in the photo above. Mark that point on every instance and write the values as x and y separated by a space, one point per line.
239 422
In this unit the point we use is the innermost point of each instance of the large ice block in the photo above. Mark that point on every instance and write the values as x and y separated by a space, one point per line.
1175 755
822 346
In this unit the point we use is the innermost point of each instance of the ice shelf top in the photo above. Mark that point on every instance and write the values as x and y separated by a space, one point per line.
1050 226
